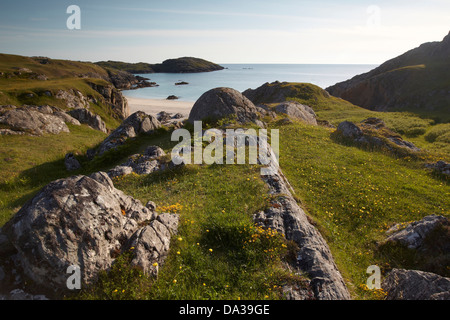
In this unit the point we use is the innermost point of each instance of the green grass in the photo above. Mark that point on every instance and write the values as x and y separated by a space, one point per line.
352 195
215 204
218 252
419 128
53 69
63 75
355 195
29 163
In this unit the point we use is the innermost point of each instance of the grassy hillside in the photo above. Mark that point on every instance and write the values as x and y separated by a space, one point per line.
355 195
136 68
416 81
352 195
36 81
420 129
52 68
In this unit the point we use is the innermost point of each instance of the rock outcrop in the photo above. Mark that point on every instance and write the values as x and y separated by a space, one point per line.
297 111
413 81
83 221
151 243
123 80
138 123
313 257
87 117
414 234
221 103
73 99
114 98
403 284
419 245
35 120
277 92
140 163
440 167
372 133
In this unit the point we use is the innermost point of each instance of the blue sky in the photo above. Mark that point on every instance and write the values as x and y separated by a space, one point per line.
226 31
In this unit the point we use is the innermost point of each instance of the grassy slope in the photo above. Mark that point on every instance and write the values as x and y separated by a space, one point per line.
29 163
414 127
61 74
353 196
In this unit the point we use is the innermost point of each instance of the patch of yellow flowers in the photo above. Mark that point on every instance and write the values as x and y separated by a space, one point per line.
378 294
174 208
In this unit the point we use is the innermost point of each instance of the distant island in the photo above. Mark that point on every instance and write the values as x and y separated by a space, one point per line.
180 65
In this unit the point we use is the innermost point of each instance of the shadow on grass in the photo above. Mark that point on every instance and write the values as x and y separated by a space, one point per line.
24 187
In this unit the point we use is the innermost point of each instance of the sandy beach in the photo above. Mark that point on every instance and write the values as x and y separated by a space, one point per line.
154 106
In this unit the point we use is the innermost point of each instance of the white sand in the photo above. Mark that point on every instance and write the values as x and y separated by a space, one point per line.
154 106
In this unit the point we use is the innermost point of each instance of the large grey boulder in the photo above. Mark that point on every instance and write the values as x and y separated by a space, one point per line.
138 123
81 221
349 130
403 284
220 103
297 111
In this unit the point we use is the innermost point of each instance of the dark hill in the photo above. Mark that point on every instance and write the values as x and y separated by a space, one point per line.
180 65
418 81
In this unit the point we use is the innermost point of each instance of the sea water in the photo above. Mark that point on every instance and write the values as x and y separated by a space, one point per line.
245 76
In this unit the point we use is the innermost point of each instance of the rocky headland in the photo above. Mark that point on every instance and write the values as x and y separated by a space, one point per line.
179 65
414 81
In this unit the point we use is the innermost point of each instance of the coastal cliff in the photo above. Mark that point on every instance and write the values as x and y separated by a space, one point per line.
414 81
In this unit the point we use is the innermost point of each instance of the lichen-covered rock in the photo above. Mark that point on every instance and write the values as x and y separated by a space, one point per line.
313 256
373 133
414 234
80 221
403 284
138 123
297 111
74 99
151 243
87 117
145 163
31 121
114 98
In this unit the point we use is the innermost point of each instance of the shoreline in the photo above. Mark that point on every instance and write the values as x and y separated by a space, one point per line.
154 106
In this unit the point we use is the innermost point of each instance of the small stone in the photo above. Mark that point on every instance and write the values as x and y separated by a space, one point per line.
71 162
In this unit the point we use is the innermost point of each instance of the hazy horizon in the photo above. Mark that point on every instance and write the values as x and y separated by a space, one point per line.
225 32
